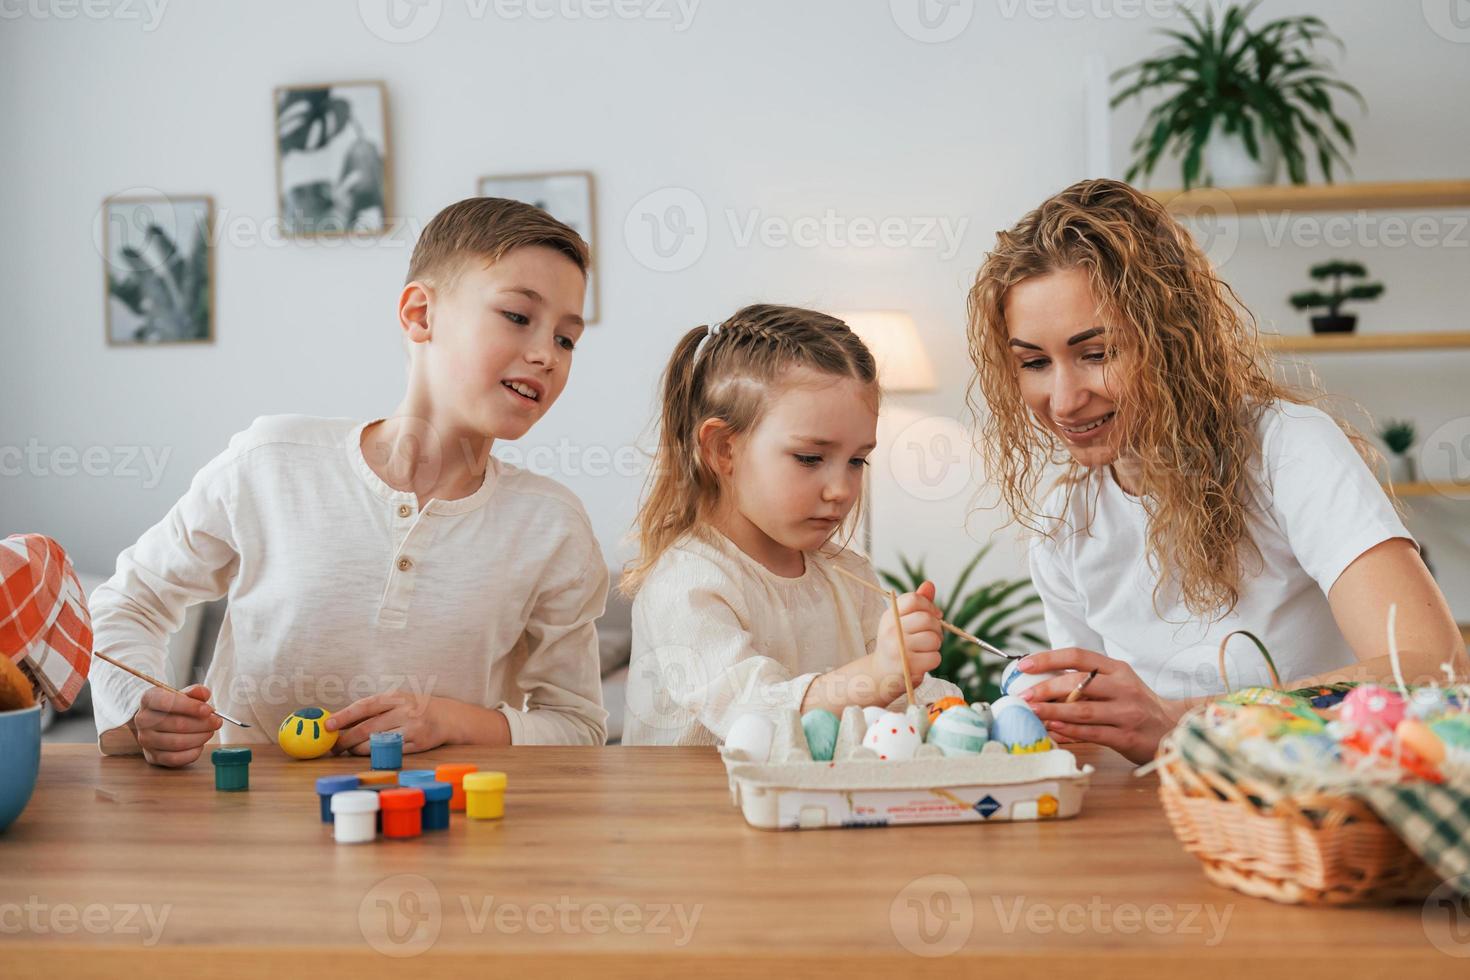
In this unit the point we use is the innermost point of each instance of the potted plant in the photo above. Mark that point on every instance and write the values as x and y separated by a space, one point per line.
998 613
1336 321
1398 436
1236 100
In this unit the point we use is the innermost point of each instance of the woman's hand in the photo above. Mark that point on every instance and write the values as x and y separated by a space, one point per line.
419 717
1117 709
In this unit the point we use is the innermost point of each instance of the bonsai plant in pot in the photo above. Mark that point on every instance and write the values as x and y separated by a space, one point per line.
1398 436
1238 100
1336 321
1000 613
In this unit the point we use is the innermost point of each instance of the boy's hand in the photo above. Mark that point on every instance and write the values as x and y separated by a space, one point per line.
172 730
415 715
921 632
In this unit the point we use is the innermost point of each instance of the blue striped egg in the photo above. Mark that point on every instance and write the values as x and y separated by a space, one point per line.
959 731
1017 727
1013 681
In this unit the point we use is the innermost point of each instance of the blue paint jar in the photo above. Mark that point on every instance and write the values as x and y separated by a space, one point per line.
436 804
328 785
387 750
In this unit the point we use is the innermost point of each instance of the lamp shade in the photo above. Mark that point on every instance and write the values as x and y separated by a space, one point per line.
893 337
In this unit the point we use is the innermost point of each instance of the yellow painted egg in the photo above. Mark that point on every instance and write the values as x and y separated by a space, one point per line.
303 734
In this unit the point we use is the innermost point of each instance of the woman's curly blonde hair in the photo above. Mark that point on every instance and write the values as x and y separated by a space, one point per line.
1187 357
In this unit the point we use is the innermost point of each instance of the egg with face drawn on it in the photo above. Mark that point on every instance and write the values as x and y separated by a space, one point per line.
304 735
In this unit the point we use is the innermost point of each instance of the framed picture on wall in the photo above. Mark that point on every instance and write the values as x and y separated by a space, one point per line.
333 174
158 259
565 195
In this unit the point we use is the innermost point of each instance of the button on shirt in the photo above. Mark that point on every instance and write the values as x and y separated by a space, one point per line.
340 587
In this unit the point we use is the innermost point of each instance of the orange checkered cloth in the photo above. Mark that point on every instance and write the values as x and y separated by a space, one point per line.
45 628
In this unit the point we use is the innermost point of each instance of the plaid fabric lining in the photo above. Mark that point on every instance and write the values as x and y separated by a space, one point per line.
44 624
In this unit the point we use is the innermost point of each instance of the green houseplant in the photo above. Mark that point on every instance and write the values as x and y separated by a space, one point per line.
1398 436
998 613
1334 320
1236 98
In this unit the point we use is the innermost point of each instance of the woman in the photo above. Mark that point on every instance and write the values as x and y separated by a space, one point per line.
1199 496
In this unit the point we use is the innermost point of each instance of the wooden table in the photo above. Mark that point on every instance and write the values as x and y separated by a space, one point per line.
631 862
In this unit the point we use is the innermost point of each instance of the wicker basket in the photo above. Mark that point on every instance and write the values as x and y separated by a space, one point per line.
1308 848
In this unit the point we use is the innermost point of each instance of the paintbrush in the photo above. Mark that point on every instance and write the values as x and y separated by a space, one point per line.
158 683
987 647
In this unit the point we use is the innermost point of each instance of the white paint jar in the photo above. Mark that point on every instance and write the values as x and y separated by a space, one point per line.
355 816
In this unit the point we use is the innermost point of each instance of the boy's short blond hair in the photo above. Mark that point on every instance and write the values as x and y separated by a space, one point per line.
488 228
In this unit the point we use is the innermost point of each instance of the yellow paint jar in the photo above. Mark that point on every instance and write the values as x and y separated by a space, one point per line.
484 795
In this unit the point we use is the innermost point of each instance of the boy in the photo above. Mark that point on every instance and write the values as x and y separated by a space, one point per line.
392 572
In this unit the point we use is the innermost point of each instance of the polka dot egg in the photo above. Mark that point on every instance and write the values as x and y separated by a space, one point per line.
1370 708
893 737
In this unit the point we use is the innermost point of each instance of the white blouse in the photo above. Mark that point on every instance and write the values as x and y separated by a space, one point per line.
1318 508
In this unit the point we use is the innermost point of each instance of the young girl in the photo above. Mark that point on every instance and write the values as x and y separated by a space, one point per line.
767 422
1202 495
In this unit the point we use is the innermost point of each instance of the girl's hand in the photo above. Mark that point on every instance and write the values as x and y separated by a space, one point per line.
919 618
418 716
172 730
1117 710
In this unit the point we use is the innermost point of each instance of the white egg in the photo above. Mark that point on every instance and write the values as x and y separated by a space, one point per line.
752 734
871 714
893 736
1012 681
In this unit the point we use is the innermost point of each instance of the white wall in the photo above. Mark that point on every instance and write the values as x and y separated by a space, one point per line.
761 108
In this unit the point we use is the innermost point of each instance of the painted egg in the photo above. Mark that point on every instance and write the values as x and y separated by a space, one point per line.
1371 708
752 734
820 727
1421 740
303 734
1453 731
1017 727
1428 702
1309 750
959 731
893 737
941 706
1013 681
871 714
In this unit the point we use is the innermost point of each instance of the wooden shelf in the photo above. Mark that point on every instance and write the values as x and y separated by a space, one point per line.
1426 488
1323 343
1402 195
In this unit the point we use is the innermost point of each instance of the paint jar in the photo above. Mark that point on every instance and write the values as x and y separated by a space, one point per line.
355 815
485 795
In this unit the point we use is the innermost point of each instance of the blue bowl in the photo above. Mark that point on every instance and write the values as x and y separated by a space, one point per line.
20 760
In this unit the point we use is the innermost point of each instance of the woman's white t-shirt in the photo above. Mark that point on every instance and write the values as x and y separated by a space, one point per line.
1319 508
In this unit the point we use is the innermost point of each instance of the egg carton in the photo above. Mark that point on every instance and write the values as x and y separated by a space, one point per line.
792 791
